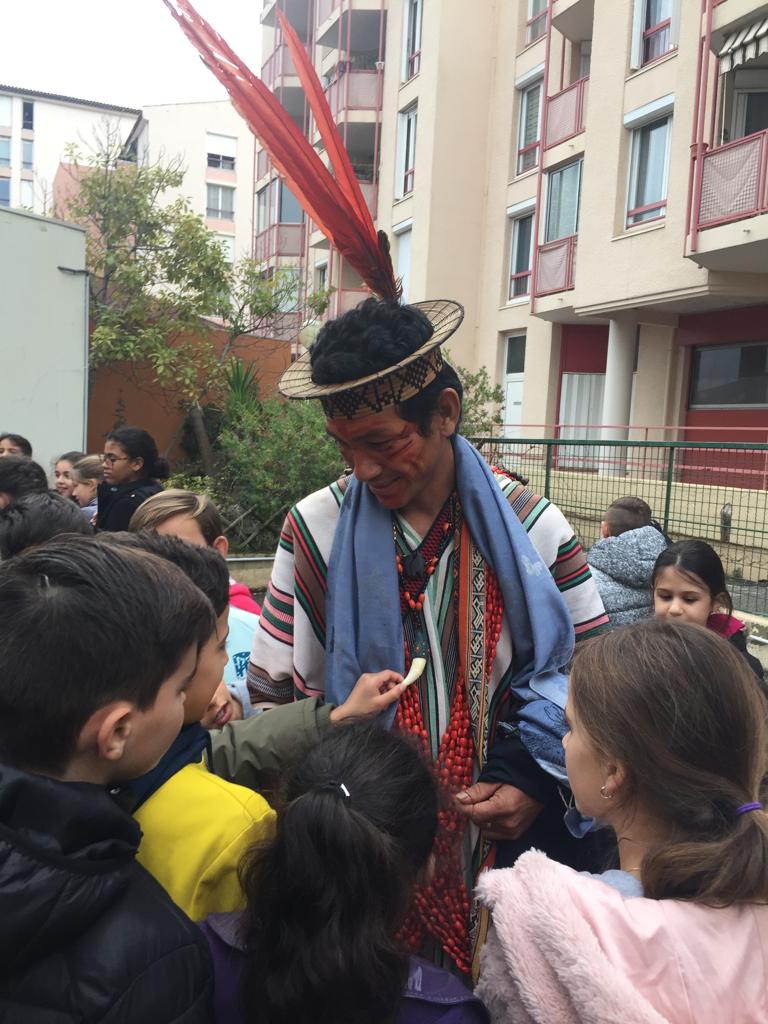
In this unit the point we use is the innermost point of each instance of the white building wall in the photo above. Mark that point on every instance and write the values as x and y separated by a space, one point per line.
43 333
181 130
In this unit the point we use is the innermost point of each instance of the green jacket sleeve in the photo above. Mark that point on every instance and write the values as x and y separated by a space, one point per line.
259 751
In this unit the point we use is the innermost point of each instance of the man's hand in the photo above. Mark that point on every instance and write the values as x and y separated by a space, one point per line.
372 693
500 810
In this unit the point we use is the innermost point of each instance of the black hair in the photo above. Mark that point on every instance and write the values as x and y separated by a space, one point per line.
374 335
85 624
19 441
36 518
695 558
204 566
72 457
138 444
326 898
19 475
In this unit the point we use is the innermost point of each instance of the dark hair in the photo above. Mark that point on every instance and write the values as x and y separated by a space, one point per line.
372 336
138 444
173 502
20 475
204 566
679 707
627 513
20 442
84 624
37 518
326 898
696 559
72 457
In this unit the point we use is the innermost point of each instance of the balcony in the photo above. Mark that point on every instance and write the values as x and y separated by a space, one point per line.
573 18
556 266
354 90
566 113
731 16
732 207
279 240
279 65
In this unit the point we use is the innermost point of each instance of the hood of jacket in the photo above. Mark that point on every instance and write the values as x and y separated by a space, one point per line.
66 854
629 558
570 948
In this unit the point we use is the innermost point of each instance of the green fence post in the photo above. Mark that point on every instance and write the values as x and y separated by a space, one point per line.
548 469
668 495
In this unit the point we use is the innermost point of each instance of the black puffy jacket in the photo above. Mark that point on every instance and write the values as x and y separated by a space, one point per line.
116 505
86 934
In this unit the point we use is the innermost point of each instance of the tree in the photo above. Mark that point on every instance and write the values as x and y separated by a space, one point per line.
159 280
481 406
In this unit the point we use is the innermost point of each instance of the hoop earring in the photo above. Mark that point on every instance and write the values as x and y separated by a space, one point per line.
603 794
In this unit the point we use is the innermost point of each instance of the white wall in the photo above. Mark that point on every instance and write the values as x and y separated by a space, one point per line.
43 333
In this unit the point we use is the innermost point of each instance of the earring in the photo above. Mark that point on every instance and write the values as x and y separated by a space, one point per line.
603 794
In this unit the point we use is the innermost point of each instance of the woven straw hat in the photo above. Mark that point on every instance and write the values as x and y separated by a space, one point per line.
387 387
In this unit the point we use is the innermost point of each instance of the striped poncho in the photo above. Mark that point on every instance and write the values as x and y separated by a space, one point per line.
288 654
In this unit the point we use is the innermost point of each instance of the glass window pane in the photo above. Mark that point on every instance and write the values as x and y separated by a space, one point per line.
730 375
563 202
537 7
27 154
530 115
5 151
656 11
28 114
649 170
262 209
516 353
27 195
290 210
522 255
5 192
756 118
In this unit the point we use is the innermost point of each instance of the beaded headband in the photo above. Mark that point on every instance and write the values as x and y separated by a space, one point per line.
387 387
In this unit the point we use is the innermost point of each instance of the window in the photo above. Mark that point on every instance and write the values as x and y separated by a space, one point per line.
521 241
585 57
750 113
221 202
262 209
5 192
27 196
222 150
404 259
563 192
227 246
406 152
5 151
5 110
412 47
537 20
27 154
654 31
28 115
288 290
289 210
724 375
321 277
515 353
530 128
648 172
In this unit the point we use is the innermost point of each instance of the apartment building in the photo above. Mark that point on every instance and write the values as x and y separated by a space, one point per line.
35 130
587 176
216 150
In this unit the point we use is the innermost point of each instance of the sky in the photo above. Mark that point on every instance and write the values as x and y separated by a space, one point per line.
127 52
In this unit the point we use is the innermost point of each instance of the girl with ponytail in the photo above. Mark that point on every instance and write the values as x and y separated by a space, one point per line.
667 746
318 943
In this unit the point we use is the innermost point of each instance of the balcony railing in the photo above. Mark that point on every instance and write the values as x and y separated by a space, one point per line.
733 181
354 90
263 164
278 65
556 266
565 113
279 240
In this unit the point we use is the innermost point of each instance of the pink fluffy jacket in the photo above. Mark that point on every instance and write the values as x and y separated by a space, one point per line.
569 949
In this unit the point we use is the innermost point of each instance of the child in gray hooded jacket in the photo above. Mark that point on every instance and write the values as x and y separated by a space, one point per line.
622 560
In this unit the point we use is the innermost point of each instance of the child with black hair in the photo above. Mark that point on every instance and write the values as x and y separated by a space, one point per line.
132 471
19 476
319 941
197 825
15 444
96 652
37 518
688 585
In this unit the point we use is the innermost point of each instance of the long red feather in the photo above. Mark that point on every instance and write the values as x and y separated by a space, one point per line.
333 206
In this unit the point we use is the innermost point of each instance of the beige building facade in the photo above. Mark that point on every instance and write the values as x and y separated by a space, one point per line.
588 177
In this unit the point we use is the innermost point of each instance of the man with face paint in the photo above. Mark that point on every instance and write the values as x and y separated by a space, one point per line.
424 552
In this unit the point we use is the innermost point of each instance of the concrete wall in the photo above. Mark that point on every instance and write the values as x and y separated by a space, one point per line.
43 325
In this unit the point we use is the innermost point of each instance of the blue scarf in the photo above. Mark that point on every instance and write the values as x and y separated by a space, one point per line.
364 631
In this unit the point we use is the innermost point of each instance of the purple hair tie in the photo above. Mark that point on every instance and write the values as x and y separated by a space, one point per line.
747 807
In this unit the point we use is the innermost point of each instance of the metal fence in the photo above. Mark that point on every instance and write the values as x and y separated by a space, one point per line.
714 491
